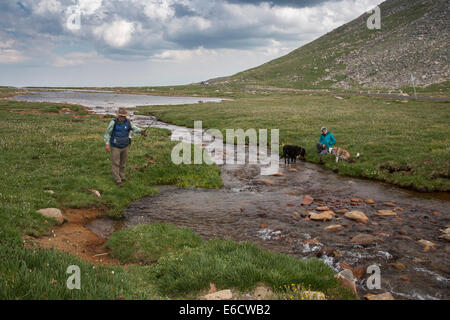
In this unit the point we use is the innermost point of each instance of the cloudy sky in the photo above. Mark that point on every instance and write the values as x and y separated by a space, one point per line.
155 42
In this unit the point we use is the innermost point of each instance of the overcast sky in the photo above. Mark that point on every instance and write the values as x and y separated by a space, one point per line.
155 42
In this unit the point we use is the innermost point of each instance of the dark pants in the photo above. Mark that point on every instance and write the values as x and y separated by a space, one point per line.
321 150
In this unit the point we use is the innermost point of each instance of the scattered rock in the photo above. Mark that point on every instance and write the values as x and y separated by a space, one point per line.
364 239
446 235
219 295
307 200
357 216
263 226
65 110
278 174
389 204
345 278
52 213
334 227
342 211
436 213
427 244
385 213
324 216
265 181
355 200
405 278
359 272
293 170
369 201
212 288
262 292
399 266
322 208
382 296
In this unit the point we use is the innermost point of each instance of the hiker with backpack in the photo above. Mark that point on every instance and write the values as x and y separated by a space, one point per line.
118 139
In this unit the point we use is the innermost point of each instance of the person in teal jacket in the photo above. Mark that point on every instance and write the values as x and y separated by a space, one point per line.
326 142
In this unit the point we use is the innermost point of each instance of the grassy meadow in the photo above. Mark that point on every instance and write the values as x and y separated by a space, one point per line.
45 149
403 142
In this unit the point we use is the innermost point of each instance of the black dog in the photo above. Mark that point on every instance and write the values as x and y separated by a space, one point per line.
290 153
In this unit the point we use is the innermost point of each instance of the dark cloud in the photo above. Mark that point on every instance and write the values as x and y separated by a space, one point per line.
282 3
147 27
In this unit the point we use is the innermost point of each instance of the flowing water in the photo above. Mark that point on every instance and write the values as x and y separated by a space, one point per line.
267 210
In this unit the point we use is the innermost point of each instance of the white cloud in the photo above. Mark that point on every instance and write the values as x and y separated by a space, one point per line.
118 33
159 9
182 55
48 6
89 6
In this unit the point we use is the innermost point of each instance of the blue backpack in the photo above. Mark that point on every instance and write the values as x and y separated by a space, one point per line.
120 134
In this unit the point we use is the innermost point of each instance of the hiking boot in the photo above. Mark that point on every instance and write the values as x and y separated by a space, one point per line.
119 184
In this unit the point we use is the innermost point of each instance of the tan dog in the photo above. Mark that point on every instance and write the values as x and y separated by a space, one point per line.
343 154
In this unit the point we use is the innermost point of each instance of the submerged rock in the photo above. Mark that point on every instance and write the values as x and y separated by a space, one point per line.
324 216
381 296
385 213
357 215
364 239
427 244
307 200
334 227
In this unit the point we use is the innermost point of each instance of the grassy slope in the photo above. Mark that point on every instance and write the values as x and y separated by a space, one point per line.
47 150
387 132
305 67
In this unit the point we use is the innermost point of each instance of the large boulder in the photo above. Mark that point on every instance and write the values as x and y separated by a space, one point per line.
52 213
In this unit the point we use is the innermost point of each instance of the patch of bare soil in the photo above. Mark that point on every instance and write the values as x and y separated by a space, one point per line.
75 238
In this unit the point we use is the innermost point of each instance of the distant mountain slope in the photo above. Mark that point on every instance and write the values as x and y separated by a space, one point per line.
414 38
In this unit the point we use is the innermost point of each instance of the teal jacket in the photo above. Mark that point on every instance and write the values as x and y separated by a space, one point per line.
328 140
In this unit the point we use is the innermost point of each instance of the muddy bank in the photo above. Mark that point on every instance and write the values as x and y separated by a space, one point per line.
75 238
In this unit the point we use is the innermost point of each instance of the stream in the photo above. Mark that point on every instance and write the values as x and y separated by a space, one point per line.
268 210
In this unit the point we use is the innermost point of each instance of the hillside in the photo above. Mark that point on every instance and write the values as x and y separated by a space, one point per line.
414 38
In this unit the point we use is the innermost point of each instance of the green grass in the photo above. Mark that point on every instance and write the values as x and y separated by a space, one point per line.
41 274
42 149
147 243
386 132
241 266
187 264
